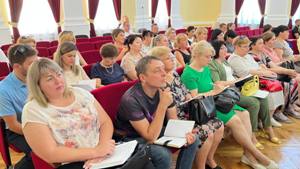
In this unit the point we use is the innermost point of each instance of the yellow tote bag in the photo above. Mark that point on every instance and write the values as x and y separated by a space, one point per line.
250 87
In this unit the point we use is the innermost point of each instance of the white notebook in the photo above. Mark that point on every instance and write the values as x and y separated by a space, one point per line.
88 85
120 156
175 133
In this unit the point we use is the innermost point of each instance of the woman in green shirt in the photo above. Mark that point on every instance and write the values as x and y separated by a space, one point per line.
197 78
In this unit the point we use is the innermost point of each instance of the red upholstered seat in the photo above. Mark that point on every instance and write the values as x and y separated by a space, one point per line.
4 69
87 69
39 163
4 145
92 56
5 47
110 96
44 44
43 52
85 46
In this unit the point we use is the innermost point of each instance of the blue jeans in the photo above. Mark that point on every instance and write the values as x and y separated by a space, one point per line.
162 156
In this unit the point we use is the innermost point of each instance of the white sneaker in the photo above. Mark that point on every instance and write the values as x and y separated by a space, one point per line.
275 123
246 161
272 165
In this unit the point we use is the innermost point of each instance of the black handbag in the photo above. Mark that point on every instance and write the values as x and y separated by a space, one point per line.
140 159
287 65
201 110
226 100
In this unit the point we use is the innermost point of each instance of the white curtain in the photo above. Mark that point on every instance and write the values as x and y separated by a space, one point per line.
36 20
297 15
105 20
161 17
249 13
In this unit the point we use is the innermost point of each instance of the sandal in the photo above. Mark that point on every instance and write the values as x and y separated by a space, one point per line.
259 146
275 140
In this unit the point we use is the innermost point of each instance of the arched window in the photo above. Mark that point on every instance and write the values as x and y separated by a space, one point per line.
249 13
105 19
36 20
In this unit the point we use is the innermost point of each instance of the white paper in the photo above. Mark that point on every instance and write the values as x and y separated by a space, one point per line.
88 85
120 156
261 94
175 132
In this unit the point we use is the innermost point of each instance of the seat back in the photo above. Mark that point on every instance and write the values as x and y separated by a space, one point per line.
87 68
85 46
4 69
179 70
92 56
43 52
110 97
4 145
43 44
39 163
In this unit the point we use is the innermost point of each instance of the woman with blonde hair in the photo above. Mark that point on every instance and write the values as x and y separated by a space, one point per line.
68 36
197 78
171 35
65 58
182 52
73 125
200 34
27 40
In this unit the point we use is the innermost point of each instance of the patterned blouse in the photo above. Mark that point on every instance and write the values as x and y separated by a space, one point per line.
179 92
74 126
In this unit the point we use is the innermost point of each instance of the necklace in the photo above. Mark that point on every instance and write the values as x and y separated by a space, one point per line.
107 69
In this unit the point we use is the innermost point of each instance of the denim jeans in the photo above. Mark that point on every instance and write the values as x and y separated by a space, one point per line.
19 142
162 156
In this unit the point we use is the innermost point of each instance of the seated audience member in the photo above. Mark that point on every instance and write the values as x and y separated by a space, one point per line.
243 64
13 95
160 40
182 52
65 58
221 71
3 57
230 26
63 125
229 37
190 30
217 34
257 46
118 36
125 25
197 78
108 70
171 35
145 107
68 36
267 28
223 27
154 29
296 29
211 133
27 40
282 34
147 40
201 33
134 54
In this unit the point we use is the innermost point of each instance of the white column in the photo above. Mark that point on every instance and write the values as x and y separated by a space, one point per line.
277 12
5 35
176 19
74 19
142 18
227 14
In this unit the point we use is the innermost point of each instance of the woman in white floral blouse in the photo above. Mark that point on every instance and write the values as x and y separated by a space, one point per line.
63 125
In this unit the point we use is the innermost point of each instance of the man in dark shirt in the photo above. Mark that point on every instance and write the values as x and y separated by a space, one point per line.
296 29
143 110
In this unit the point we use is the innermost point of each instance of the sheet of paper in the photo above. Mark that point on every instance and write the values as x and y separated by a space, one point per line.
119 157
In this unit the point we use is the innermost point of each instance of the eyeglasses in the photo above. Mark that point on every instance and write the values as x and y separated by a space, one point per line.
20 50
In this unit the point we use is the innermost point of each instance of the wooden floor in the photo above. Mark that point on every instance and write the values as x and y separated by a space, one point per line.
228 155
